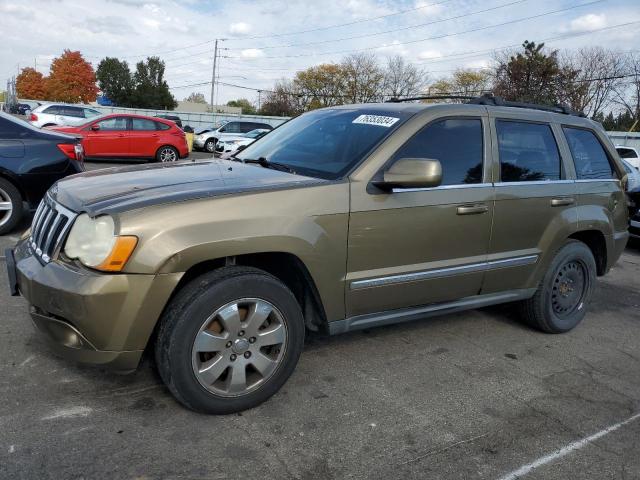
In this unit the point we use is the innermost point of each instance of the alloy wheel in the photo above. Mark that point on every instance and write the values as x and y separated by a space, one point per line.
6 207
168 155
239 347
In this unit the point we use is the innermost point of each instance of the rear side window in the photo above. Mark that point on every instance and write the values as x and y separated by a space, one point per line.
590 159
53 110
528 152
456 142
627 153
113 124
73 112
162 126
232 127
142 124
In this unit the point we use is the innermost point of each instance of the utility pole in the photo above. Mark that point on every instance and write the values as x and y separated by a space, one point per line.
259 93
213 73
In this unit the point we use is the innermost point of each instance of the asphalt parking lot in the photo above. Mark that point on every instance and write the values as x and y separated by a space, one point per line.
468 395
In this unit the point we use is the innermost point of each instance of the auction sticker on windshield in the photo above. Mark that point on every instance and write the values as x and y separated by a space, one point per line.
379 120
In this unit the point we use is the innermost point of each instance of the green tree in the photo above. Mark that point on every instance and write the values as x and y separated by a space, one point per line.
536 75
246 106
151 89
115 81
196 97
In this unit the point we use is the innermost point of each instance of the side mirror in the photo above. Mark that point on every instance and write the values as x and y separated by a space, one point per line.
412 173
95 127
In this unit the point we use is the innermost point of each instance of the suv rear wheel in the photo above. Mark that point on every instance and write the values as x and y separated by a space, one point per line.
11 209
561 301
229 340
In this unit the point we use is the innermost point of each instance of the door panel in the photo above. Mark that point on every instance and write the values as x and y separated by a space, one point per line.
414 247
144 138
112 140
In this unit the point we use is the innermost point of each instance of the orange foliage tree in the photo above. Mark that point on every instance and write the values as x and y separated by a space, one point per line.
72 79
31 84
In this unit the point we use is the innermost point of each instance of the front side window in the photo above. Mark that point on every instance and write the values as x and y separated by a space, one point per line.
52 110
528 152
113 124
142 124
456 142
231 127
73 112
326 143
590 159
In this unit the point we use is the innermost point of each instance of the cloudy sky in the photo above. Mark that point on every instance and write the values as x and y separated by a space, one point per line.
268 40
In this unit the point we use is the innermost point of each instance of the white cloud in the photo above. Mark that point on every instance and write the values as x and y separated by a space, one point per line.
427 7
394 48
240 28
251 53
427 54
590 21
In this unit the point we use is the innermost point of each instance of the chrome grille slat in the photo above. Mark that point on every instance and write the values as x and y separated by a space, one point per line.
51 223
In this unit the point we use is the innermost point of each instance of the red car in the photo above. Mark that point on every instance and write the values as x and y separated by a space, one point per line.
130 136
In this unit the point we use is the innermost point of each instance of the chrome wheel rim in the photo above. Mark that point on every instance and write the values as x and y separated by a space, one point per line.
239 348
6 207
210 146
569 288
167 155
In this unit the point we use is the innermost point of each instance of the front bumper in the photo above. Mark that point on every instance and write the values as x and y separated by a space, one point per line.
198 142
88 316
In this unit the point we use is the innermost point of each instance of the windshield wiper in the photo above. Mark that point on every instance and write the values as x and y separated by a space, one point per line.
263 162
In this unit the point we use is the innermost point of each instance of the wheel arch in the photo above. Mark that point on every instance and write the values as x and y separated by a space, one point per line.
597 243
9 177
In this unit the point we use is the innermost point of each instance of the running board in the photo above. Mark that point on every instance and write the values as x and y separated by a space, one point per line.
390 317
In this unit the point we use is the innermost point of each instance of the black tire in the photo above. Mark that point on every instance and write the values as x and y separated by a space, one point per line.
162 152
557 307
210 145
9 219
193 306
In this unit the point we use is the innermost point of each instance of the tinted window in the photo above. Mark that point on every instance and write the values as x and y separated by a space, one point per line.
143 124
528 152
113 124
53 110
232 127
88 113
456 143
162 126
588 155
326 143
627 153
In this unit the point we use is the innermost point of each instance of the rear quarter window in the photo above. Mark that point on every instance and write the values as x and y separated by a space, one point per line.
590 158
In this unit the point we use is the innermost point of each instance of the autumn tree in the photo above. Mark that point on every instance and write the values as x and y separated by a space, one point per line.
71 79
31 84
196 97
465 82
246 106
363 78
115 81
151 89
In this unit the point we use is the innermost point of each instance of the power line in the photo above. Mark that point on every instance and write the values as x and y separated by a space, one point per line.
420 25
487 27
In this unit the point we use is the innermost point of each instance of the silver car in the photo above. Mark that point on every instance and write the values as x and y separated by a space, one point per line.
51 114
207 141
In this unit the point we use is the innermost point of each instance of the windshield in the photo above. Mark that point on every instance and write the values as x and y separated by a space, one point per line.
325 143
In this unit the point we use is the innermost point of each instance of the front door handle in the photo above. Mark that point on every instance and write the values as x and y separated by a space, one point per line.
472 209
562 202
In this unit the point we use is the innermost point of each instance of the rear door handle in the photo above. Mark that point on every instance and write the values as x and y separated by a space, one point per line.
472 209
562 202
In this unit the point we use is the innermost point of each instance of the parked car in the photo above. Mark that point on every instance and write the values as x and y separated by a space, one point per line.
634 226
232 144
633 187
128 136
51 114
343 218
207 141
173 118
31 160
630 154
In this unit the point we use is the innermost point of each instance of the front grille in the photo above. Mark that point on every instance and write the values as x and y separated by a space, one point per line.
51 223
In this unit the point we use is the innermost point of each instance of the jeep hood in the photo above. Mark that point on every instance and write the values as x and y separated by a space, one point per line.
120 189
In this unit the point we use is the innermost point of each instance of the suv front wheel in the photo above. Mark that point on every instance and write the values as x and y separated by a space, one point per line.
561 301
229 340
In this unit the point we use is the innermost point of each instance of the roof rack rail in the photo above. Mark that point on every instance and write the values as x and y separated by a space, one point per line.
488 99
431 97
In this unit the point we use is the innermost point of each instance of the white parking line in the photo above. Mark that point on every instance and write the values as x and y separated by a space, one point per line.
525 469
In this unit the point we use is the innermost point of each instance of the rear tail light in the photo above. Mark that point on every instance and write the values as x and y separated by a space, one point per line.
72 151
34 117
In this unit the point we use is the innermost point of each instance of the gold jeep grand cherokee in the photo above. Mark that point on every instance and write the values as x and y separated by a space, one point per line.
341 219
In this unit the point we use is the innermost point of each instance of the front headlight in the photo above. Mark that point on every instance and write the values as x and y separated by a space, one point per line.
93 242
